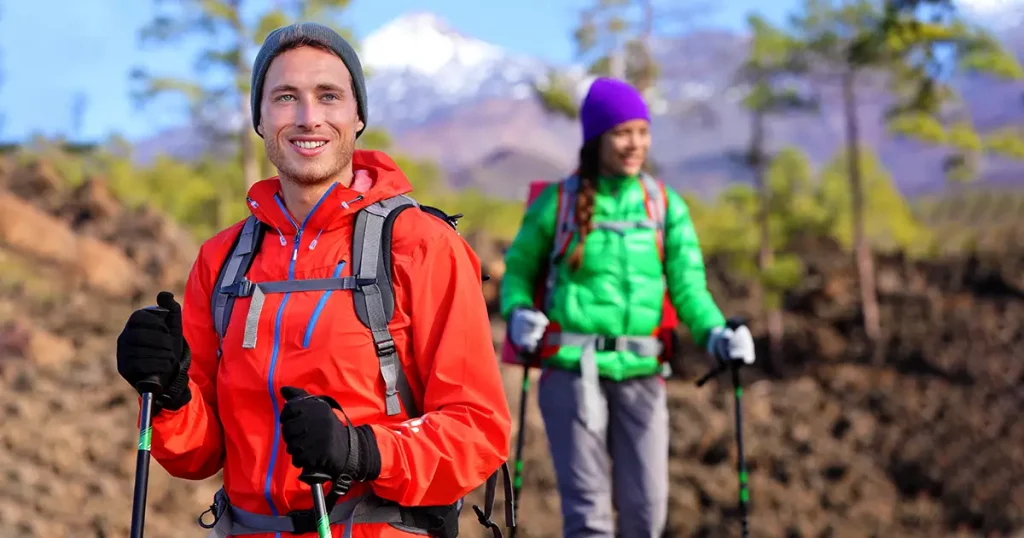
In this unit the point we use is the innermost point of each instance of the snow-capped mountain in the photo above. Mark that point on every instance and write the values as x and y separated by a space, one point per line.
1001 14
418 66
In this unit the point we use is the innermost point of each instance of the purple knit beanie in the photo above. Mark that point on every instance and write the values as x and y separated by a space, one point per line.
610 102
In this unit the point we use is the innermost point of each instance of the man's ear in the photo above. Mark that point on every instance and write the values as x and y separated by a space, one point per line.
360 125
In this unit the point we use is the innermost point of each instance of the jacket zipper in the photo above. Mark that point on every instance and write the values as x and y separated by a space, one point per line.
320 306
275 353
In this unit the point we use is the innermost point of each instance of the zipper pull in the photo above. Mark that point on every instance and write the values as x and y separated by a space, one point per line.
312 244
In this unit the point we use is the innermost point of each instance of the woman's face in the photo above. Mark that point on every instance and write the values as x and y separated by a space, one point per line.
624 148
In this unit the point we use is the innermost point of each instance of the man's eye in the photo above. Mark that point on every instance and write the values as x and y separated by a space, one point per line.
331 96
285 97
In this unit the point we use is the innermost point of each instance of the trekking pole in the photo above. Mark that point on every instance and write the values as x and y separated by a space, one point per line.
323 523
741 464
148 388
517 481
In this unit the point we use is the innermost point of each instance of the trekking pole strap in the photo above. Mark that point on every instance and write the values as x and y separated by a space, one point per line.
490 492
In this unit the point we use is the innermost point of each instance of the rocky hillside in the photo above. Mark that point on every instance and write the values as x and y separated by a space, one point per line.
921 438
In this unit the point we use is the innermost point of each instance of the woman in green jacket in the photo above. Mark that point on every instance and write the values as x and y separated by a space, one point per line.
618 238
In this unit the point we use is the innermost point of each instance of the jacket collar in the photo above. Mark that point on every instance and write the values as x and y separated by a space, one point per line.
337 204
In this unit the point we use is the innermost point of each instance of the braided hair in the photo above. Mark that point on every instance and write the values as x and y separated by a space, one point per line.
590 159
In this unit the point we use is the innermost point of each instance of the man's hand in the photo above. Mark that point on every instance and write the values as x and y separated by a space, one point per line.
151 346
726 344
318 441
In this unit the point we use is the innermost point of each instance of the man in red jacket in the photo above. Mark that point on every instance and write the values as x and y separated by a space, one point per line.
304 372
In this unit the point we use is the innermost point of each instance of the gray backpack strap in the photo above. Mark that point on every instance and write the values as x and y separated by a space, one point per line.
565 226
656 202
566 220
657 208
232 273
374 295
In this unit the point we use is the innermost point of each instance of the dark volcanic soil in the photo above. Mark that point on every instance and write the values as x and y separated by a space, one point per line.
921 437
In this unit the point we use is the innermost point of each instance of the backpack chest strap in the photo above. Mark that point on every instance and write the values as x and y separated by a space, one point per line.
259 291
622 226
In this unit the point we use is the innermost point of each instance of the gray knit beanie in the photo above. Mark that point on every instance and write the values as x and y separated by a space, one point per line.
305 33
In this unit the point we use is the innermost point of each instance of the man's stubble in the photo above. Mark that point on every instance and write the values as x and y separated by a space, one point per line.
325 168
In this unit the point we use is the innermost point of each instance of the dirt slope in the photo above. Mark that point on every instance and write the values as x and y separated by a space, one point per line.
921 439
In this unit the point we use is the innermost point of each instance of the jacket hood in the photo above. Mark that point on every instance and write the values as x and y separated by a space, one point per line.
338 203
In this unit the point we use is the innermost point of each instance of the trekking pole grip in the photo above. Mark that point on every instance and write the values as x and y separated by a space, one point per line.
314 478
152 384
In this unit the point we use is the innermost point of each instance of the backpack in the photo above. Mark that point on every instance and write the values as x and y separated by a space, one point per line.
373 292
656 203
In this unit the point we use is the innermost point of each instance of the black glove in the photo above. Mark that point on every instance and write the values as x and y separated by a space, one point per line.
151 347
319 442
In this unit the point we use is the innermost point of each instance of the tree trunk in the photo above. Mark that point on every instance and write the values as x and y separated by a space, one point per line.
861 247
617 63
243 74
645 72
250 159
766 256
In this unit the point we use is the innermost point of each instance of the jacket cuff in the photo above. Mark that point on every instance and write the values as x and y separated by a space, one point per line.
509 309
370 452
178 394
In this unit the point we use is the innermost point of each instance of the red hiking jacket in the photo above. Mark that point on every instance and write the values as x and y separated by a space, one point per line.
440 327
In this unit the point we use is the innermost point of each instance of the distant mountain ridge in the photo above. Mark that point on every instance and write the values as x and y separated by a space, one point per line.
467 104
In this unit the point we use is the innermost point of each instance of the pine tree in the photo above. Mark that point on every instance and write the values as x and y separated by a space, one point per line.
769 72
931 43
834 38
613 38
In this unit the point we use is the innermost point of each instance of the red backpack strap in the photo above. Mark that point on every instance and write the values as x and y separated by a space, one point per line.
565 226
656 203
565 222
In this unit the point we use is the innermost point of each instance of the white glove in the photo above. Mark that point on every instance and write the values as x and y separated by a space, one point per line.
526 327
727 344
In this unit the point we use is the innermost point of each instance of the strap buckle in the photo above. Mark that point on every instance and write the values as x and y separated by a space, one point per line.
608 343
243 288
386 347
304 521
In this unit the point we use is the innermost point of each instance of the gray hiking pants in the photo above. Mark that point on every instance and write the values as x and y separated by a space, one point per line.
631 428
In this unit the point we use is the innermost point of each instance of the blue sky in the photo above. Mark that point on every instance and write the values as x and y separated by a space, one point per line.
91 46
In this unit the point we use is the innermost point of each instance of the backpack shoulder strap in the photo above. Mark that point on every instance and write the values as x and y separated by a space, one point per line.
236 265
565 227
657 206
374 295
375 305
565 221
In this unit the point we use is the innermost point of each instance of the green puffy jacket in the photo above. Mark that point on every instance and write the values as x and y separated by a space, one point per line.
619 289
